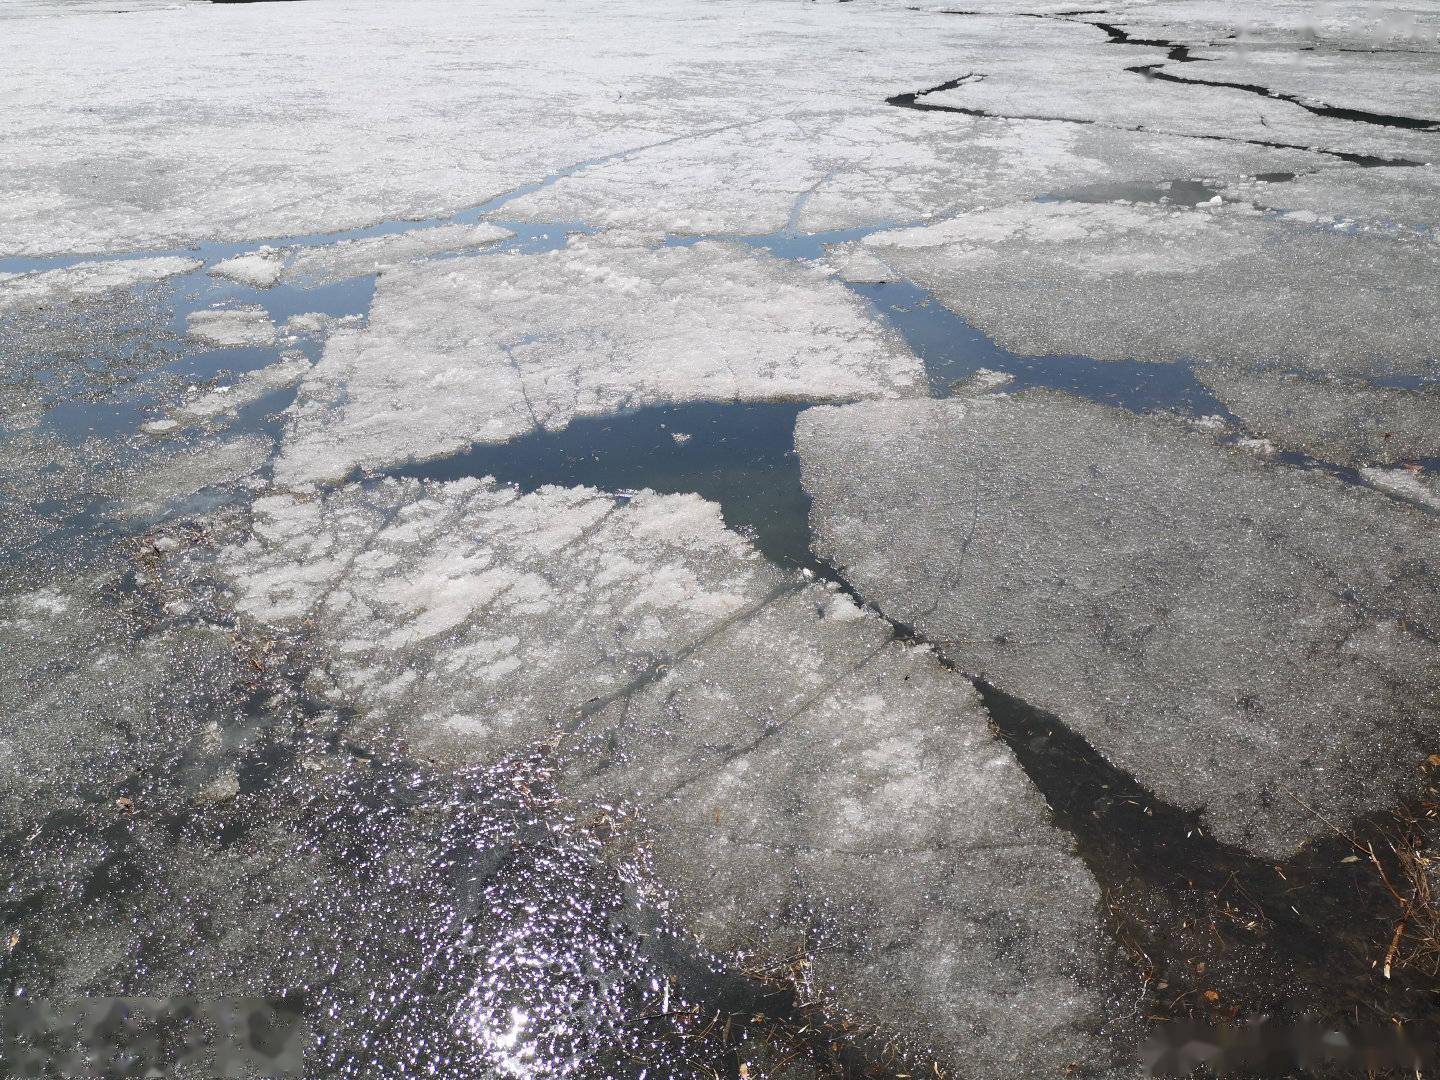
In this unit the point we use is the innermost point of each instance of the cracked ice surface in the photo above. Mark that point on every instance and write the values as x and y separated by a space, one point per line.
1070 71
1231 631
1217 282
804 777
406 111
488 348
1337 420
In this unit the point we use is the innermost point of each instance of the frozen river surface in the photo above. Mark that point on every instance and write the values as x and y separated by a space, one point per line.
742 538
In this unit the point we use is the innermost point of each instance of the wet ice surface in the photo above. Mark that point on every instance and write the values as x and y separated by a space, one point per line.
848 798
484 845
1244 637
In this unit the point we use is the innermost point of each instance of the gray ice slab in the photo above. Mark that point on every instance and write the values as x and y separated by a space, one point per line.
1243 637
1218 282
1337 420
807 784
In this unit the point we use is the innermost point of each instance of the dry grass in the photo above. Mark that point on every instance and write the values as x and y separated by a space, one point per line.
1414 881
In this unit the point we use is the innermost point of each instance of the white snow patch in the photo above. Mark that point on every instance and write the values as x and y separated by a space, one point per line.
259 269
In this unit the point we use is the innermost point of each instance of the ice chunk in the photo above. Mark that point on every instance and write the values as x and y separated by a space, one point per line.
356 258
1407 483
317 323
1339 420
1145 282
259 270
485 349
1242 636
246 390
231 329
807 781
87 279
855 264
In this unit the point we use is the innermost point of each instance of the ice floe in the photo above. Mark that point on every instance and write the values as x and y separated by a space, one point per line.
232 328
806 782
250 387
259 270
488 348
1247 638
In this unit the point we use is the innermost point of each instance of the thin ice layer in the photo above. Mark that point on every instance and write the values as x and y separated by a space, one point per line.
806 782
1222 282
362 885
485 349
86 703
1337 420
1242 636
174 475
